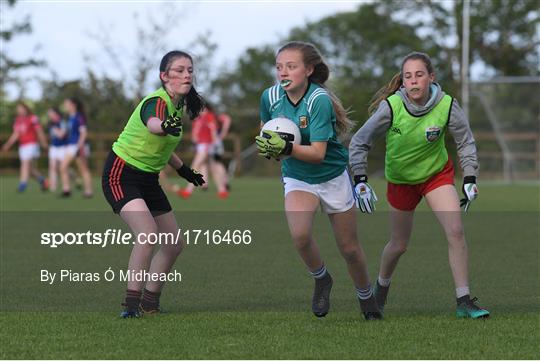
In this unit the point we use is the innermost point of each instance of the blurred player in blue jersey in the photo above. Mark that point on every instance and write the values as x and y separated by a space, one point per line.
57 128
76 147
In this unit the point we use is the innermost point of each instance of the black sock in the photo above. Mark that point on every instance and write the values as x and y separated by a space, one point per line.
465 298
133 299
150 300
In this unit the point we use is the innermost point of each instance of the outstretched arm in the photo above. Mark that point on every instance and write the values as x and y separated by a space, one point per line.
41 137
459 127
186 172
11 140
225 125
362 141
175 161
157 119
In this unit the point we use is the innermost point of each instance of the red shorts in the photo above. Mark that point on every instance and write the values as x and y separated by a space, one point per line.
406 197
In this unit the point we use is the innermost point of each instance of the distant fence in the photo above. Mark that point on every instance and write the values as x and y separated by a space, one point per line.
525 154
504 114
100 146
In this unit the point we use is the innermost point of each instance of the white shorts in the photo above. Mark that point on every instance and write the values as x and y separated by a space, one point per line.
217 148
336 195
29 151
71 150
203 147
57 152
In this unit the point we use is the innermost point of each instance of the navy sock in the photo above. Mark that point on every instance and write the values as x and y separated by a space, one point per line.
364 293
319 273
150 300
133 299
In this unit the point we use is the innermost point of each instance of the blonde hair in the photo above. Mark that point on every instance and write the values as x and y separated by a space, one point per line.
312 57
397 80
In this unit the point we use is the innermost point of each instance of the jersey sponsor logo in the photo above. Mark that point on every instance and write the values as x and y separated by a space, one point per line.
303 122
432 134
396 130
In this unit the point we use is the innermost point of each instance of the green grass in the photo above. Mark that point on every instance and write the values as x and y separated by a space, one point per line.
252 302
254 194
271 335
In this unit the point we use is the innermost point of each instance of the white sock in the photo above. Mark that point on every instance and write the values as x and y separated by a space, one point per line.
364 293
385 282
319 273
462 291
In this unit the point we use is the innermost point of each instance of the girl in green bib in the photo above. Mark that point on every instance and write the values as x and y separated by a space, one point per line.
130 179
414 114
315 174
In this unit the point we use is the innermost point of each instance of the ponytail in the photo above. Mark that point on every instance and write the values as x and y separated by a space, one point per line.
321 72
385 92
343 123
194 103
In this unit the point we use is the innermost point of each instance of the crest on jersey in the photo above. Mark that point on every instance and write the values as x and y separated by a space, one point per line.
303 122
432 134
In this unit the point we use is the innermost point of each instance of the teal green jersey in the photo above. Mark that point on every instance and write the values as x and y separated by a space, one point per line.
316 119
137 145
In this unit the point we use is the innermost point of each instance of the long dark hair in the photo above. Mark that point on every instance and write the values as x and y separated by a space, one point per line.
397 80
26 107
193 100
79 107
312 57
57 111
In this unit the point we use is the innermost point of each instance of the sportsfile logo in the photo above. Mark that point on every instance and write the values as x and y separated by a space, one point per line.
103 239
118 237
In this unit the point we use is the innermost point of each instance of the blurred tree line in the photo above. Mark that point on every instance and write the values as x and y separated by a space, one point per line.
363 48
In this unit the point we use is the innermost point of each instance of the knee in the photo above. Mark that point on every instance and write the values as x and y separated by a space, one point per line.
399 247
455 233
147 239
351 253
173 250
177 247
302 240
143 246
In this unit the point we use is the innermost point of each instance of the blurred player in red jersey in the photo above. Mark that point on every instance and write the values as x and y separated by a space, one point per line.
217 165
28 132
206 134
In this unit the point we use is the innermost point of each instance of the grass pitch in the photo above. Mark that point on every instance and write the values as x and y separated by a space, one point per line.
253 302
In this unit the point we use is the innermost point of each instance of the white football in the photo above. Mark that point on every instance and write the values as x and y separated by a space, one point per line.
286 129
